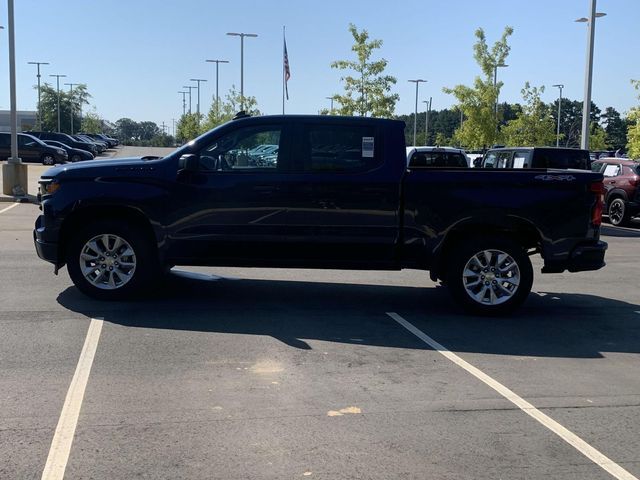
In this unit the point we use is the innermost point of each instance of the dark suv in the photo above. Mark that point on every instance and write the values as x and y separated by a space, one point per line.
537 157
622 188
30 149
66 139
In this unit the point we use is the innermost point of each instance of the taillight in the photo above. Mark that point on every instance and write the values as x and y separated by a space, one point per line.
596 211
635 181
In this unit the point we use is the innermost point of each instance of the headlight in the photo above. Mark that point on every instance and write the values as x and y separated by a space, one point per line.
60 152
49 188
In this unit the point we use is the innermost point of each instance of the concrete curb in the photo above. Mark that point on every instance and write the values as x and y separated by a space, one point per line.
21 199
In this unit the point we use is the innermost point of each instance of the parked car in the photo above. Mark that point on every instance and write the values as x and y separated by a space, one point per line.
100 145
114 142
537 157
74 154
68 139
337 195
31 149
437 157
622 188
109 142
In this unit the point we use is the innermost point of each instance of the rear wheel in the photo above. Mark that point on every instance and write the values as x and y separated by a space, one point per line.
618 212
75 158
48 159
110 260
489 276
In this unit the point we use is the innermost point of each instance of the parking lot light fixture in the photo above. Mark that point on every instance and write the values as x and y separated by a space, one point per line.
588 74
242 35
426 120
189 87
38 77
415 114
58 77
217 62
71 85
495 85
198 80
560 87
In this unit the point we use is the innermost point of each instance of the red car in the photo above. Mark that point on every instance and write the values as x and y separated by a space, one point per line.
622 188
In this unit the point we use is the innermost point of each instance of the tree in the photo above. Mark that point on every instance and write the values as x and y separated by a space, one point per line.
533 126
615 129
597 137
69 101
91 123
228 108
368 91
480 128
633 132
188 126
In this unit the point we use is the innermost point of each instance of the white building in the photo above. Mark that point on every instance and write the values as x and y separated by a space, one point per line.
26 120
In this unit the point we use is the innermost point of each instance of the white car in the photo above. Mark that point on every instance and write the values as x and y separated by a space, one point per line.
437 157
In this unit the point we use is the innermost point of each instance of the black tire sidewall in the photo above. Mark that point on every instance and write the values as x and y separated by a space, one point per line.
624 212
458 259
146 262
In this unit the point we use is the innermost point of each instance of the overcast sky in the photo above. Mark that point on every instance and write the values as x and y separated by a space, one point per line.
136 55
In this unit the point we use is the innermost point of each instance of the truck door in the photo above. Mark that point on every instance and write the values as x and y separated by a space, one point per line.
346 200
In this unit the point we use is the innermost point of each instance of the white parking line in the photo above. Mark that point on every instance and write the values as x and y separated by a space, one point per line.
65 431
571 438
9 207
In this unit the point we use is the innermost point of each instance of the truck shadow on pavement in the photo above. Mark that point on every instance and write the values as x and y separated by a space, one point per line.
549 324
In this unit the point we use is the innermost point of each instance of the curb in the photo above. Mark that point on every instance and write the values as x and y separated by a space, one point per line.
21 199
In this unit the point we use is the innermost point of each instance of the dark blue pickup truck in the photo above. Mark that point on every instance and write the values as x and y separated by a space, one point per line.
316 192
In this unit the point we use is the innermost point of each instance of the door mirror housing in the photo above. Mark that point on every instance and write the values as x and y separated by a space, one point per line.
189 162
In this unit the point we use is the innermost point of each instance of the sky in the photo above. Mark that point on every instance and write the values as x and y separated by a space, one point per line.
135 56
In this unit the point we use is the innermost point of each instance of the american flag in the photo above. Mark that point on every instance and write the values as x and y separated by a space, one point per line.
287 70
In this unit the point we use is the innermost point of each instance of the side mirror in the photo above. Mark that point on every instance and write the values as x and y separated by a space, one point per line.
189 163
477 163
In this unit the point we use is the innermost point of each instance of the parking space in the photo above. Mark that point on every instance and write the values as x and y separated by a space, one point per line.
258 373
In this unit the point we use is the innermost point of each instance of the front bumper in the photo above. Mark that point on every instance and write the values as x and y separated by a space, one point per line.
46 250
585 257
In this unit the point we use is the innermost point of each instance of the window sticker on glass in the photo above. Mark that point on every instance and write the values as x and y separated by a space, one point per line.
611 171
367 147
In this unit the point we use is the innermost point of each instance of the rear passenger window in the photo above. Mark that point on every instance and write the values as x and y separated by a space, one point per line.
503 159
340 148
520 160
438 159
612 171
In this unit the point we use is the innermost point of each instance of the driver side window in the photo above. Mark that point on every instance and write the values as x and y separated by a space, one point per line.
244 150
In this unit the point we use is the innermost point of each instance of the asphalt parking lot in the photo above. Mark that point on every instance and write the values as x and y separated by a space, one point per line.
273 374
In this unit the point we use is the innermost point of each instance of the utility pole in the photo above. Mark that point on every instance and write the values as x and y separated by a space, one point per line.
190 87
426 121
330 98
58 77
38 76
242 35
560 87
184 102
495 86
71 85
415 113
198 80
217 62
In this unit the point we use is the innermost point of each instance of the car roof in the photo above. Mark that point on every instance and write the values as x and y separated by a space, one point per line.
620 161
411 150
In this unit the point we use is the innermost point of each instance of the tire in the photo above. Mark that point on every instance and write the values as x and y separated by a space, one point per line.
483 291
48 159
130 265
75 158
618 212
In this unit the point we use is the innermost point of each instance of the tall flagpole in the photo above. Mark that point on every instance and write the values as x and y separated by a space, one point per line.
284 73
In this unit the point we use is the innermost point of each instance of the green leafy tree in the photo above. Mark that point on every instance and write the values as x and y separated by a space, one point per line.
441 139
615 128
533 126
91 123
597 137
69 102
633 132
367 91
188 127
228 107
480 128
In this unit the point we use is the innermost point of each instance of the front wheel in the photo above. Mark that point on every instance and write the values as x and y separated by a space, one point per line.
75 158
110 260
490 276
48 159
618 212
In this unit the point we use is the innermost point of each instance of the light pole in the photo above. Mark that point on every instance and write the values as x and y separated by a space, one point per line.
588 73
560 87
495 85
184 102
330 98
58 77
38 76
71 85
217 62
241 35
415 113
426 120
198 80
189 87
